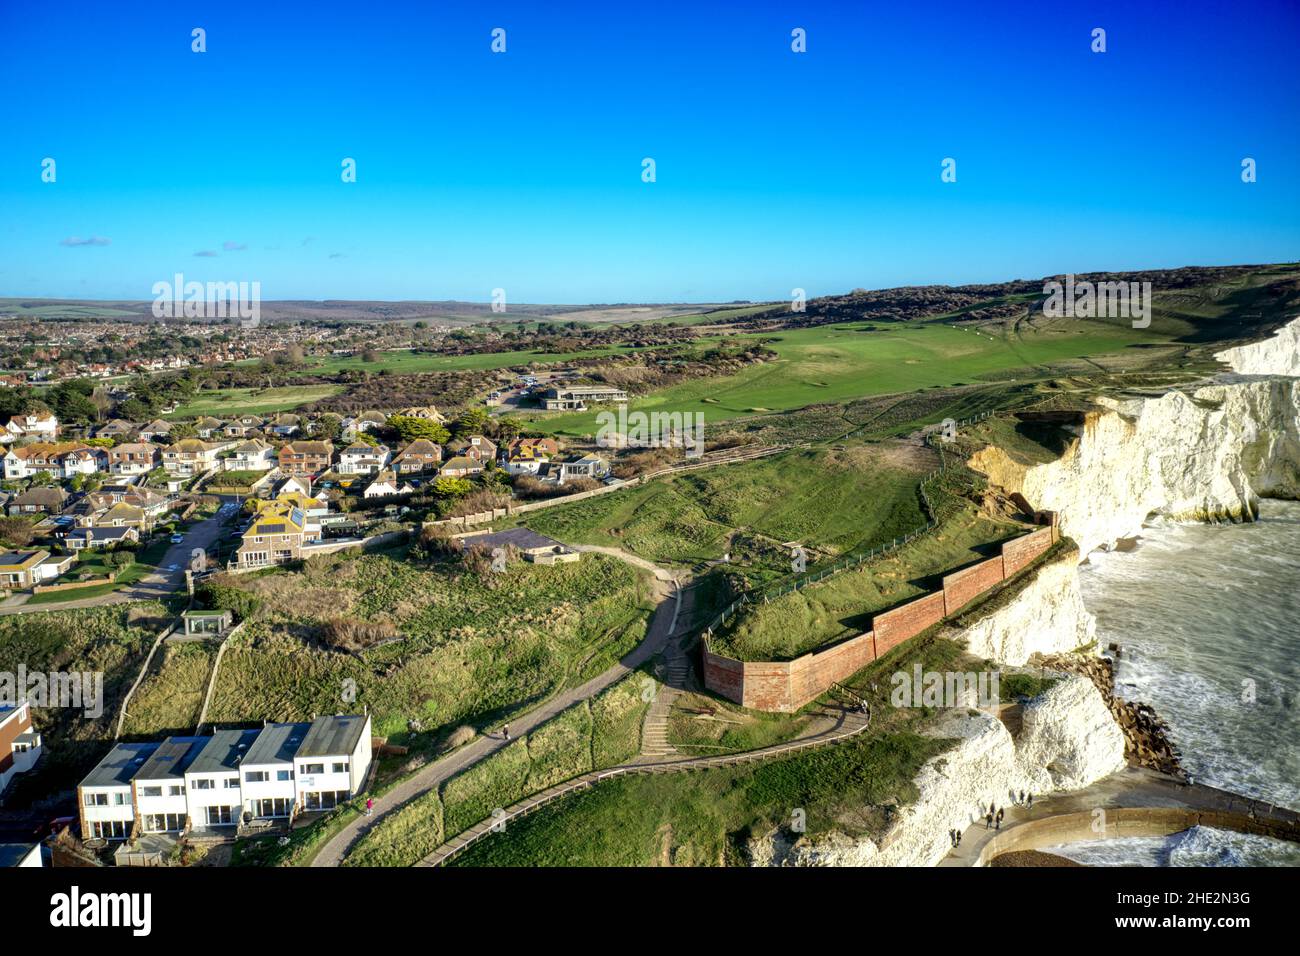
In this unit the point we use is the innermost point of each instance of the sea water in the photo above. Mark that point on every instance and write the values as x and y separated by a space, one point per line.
1207 618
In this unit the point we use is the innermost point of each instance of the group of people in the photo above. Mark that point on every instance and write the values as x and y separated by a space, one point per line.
995 814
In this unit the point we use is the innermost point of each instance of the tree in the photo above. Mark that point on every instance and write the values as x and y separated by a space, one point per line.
472 421
449 487
329 427
410 428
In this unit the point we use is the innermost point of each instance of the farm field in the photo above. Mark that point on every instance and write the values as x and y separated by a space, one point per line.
829 500
456 649
836 363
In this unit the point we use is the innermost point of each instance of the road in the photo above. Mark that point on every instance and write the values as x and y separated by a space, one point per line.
662 626
167 578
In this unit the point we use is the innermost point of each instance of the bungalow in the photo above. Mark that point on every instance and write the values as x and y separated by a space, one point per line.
283 426
460 466
208 426
38 501
156 430
363 459
386 485
39 425
23 569
20 744
252 455
575 466
82 539
212 779
306 457
421 455
429 412
104 796
133 458
353 428
190 456
113 428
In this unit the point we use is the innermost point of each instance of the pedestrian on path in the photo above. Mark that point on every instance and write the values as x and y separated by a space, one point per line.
1029 801
370 805
988 820
506 731
999 818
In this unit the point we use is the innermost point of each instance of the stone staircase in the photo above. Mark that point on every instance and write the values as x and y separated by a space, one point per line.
675 676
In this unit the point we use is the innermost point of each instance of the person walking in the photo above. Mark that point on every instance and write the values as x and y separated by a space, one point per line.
506 731
1029 801
999 818
370 805
988 820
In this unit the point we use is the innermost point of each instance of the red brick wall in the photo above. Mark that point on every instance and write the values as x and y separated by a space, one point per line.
767 685
1018 553
725 676
811 674
894 627
962 587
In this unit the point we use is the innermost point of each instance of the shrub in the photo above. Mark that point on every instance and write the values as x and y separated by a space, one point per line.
220 593
352 634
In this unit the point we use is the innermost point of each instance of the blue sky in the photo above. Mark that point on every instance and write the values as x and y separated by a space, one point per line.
523 170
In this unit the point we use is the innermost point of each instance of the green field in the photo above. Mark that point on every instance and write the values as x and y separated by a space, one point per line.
830 500
226 402
836 363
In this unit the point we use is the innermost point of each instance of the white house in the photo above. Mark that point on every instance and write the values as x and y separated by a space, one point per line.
212 779
332 762
158 788
104 796
269 789
39 425
252 455
386 485
363 459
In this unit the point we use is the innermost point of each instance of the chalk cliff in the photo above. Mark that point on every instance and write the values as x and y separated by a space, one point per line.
1068 741
1278 355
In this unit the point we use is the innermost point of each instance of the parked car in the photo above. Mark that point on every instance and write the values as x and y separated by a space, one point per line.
177 538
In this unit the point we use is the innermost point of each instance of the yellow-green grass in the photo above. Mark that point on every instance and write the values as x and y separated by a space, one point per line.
705 726
834 363
842 604
472 650
830 500
590 735
227 402
171 696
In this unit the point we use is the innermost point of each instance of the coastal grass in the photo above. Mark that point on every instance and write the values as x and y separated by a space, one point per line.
228 402
829 500
704 726
465 649
170 698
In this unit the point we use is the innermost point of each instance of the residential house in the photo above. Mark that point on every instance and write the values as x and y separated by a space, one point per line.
386 485
362 459
306 457
156 430
82 539
460 467
158 790
192 456
20 743
283 426
133 458
252 455
38 501
269 789
212 779
62 460
475 447
113 428
574 398
575 466
42 426
104 796
332 761
420 456
24 569
352 428
276 536
208 426
545 447
149 503
242 426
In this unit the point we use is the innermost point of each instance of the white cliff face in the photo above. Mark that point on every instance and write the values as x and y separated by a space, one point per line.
1279 355
1046 616
1207 456
1068 741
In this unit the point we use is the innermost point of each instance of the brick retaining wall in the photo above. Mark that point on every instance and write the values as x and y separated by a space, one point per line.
785 686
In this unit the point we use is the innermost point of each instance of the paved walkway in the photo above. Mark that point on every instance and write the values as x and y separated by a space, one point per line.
662 626
1133 802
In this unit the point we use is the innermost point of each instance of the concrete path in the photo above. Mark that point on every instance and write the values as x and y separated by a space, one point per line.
662 626
1131 803
167 578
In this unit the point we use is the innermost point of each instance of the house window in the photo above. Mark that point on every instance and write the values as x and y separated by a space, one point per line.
313 768
232 783
340 766
256 776
284 775
201 784
96 799
151 791
220 816
175 790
